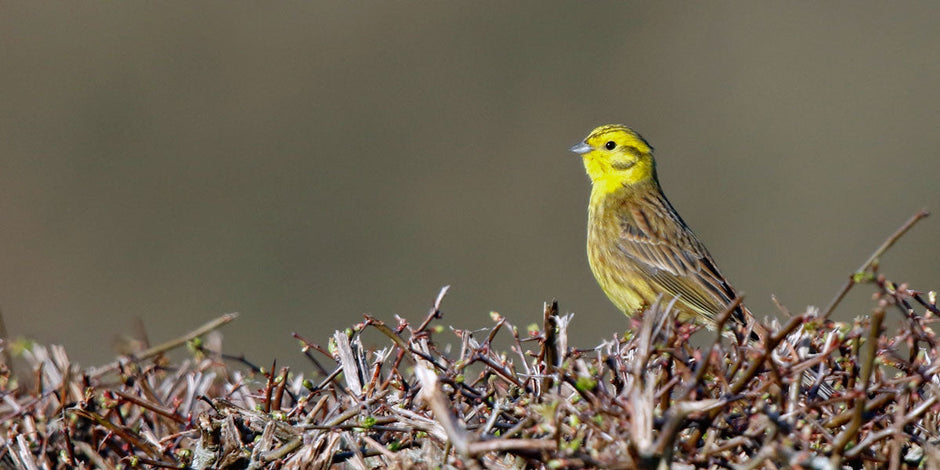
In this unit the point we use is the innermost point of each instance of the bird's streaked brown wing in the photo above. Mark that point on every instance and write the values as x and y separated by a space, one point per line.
666 250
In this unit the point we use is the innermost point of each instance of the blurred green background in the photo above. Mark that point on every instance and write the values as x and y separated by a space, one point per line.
304 163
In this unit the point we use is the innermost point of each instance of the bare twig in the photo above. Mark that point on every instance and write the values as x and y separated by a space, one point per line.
861 390
162 348
872 259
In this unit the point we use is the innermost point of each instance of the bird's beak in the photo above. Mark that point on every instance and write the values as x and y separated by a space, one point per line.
581 148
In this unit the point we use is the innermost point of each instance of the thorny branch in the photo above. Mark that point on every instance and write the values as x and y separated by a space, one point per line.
650 400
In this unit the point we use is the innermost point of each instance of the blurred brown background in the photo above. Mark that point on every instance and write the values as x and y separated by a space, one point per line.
303 163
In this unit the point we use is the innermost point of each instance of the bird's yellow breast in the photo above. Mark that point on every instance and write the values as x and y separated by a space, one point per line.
615 272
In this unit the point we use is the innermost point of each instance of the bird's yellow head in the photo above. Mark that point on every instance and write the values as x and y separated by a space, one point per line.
616 156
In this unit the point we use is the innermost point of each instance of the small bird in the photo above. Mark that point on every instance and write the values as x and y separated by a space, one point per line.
638 246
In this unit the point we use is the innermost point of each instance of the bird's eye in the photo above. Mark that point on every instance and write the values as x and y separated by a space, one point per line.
610 145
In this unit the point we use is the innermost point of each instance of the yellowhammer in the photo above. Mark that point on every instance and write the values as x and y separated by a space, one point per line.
638 246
